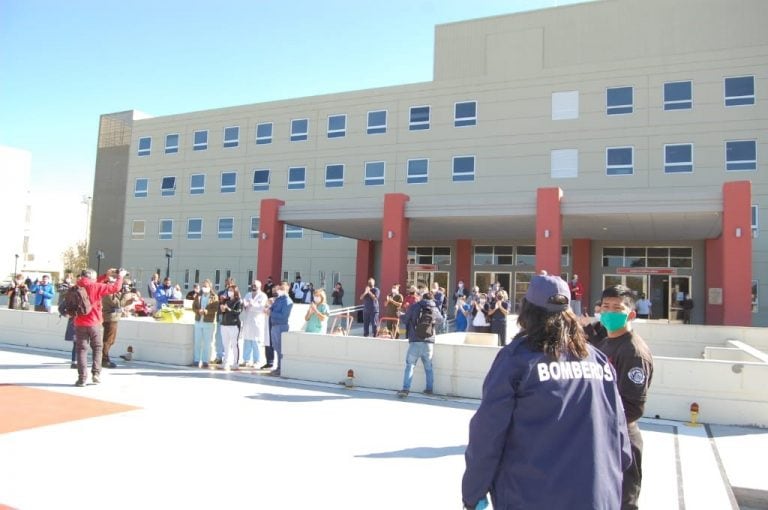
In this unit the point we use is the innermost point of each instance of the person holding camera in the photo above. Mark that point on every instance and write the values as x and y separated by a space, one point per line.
370 299
112 306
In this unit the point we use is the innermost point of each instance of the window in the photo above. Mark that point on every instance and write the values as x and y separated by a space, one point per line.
145 145
678 158
418 170
254 233
328 235
565 256
195 228
166 229
429 255
168 187
565 105
755 220
465 114
337 126
564 163
141 188
293 232
377 122
374 173
263 133
197 184
678 95
740 91
494 255
652 256
741 155
619 161
334 176
200 141
419 118
299 130
228 182
297 176
261 180
137 230
226 228
172 143
463 168
231 137
619 100
525 256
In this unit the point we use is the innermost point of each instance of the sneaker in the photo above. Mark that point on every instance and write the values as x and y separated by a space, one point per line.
429 392
205 365
73 365
80 383
276 373
264 367
402 393
242 365
108 364
95 379
217 361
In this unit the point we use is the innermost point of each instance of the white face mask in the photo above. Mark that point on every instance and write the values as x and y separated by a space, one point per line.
597 315
206 290
481 301
317 299
394 292
231 294
280 293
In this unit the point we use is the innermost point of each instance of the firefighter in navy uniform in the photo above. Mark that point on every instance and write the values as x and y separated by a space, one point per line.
633 362
550 432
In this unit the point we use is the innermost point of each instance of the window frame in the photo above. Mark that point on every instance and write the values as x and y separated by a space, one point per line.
222 234
623 106
199 146
265 140
296 136
667 165
147 151
671 105
336 133
335 182
296 185
293 232
740 162
254 234
191 233
376 129
367 181
168 192
416 179
172 149
265 186
161 233
419 125
146 187
222 186
196 190
459 122
137 235
726 97
459 177
573 173
608 166
229 143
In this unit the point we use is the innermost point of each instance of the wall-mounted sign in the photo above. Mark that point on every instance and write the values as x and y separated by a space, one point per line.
646 270
422 267
715 296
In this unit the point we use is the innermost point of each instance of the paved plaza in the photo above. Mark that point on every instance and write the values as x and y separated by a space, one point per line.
154 436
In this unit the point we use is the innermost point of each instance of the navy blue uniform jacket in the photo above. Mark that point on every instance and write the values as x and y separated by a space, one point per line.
548 434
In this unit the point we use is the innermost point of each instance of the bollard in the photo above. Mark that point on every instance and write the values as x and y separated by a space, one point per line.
694 415
350 380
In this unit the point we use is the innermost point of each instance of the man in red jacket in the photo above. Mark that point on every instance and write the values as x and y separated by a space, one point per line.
88 327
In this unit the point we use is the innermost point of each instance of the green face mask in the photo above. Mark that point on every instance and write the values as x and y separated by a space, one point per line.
613 321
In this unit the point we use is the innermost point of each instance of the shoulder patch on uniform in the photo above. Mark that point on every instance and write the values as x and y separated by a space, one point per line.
636 375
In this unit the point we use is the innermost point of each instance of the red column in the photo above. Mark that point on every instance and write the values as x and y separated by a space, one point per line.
737 253
581 253
463 263
394 241
713 313
271 233
363 266
549 230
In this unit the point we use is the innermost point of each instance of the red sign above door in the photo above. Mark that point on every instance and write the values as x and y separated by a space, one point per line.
646 270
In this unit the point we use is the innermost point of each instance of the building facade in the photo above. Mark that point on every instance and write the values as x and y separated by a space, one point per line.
619 140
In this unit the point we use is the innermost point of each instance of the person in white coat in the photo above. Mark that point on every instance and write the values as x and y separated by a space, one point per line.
254 320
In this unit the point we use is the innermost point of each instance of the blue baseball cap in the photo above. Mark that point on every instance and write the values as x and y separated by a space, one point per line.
549 292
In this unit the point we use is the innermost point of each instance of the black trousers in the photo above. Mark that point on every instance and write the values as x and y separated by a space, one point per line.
633 476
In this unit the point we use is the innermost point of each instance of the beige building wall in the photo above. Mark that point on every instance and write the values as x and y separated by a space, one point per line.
513 67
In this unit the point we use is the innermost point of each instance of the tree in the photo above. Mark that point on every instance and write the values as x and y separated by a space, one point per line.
76 257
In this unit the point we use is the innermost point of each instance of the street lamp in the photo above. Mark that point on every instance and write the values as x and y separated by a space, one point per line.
168 256
99 255
16 265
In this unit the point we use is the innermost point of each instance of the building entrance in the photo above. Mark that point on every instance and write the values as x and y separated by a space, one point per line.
666 292
425 279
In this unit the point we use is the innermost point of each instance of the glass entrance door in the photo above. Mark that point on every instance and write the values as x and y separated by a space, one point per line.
638 283
679 288
484 280
425 279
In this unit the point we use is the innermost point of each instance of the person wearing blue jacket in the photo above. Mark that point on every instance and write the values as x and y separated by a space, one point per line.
164 293
43 292
279 312
550 431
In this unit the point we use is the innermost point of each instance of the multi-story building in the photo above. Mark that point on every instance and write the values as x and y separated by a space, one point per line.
617 139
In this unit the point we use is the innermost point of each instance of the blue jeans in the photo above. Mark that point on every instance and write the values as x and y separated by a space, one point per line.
203 340
251 348
419 351
276 336
370 322
219 342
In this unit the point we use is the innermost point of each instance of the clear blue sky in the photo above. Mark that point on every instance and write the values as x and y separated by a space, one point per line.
65 62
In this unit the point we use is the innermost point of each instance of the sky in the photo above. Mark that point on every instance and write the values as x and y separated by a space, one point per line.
64 63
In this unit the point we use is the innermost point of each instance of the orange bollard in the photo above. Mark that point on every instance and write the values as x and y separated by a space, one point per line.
694 415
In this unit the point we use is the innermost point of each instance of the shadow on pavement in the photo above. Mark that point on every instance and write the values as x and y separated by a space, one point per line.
421 452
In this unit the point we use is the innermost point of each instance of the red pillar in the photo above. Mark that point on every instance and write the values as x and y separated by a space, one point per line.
463 263
271 235
549 230
713 313
581 253
394 241
737 253
363 266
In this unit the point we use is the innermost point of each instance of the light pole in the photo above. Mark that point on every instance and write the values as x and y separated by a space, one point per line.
99 255
87 202
16 265
168 256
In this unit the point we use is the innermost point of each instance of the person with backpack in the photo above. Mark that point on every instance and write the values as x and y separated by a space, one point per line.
88 322
422 317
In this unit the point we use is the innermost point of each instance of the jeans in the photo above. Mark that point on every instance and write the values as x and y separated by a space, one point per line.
251 351
84 336
370 321
419 351
633 476
203 340
219 342
276 337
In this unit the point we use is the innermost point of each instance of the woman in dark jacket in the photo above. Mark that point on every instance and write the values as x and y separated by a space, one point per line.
229 310
338 295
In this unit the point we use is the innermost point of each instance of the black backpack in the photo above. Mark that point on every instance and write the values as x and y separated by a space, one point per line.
425 327
75 302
